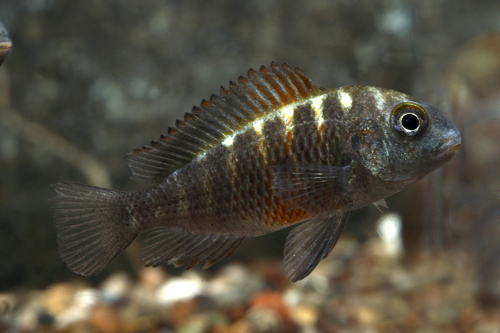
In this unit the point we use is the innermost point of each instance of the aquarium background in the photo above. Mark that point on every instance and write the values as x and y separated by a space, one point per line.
88 81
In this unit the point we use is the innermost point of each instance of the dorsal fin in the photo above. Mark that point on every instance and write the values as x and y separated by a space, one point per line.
244 101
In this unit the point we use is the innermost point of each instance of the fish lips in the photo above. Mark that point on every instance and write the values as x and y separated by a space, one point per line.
5 49
449 146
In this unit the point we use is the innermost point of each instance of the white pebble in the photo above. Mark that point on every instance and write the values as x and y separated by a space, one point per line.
181 288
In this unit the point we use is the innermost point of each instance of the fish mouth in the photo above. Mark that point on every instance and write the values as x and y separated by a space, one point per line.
448 146
5 48
5 45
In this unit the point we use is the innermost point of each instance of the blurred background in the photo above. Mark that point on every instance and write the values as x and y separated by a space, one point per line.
88 81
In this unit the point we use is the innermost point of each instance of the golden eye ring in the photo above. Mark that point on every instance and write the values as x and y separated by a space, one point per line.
409 120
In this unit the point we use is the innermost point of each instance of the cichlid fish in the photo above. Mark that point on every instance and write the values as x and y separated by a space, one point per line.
270 151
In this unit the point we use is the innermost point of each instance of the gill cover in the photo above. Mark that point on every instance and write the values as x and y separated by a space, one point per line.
395 149
372 150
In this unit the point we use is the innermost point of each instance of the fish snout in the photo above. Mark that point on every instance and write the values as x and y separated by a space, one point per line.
5 48
450 145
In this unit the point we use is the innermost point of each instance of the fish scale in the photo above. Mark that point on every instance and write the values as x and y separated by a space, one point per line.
270 151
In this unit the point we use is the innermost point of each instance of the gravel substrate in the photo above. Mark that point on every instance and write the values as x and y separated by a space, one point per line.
358 288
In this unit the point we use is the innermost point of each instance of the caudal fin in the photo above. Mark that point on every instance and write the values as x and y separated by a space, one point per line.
91 226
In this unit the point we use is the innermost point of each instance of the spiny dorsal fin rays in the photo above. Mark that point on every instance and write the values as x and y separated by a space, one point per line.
272 79
292 93
264 89
299 79
227 120
231 100
222 105
243 102
208 123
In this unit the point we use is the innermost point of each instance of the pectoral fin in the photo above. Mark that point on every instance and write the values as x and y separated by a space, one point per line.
310 186
310 242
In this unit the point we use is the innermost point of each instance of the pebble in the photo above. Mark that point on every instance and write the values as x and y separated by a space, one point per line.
87 298
151 278
71 316
304 315
233 285
264 320
272 301
106 319
185 287
116 288
58 297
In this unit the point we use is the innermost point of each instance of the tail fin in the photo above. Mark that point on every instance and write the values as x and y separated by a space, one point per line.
90 225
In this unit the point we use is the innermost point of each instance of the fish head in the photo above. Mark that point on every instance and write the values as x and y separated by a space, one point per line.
404 140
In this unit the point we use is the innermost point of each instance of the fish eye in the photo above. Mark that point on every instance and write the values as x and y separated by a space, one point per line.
409 120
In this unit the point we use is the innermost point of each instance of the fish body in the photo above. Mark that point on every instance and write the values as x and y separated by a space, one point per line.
270 151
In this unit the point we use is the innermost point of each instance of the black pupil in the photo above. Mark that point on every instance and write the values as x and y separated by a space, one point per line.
410 122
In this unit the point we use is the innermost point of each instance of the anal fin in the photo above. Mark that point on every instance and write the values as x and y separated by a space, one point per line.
310 242
178 247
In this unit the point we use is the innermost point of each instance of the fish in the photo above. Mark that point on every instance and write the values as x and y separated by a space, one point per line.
270 151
